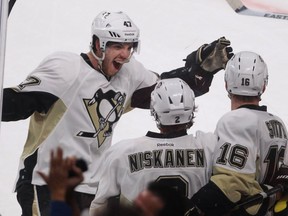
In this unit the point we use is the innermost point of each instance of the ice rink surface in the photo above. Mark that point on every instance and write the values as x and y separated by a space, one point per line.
170 30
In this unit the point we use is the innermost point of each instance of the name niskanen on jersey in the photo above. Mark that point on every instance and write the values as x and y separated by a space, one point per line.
166 158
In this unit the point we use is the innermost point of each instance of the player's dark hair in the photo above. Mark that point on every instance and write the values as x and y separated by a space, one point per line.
119 210
246 99
179 126
94 39
174 201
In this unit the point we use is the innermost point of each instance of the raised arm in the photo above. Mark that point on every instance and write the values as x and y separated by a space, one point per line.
198 71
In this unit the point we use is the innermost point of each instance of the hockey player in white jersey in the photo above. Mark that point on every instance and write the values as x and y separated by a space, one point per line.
251 142
75 101
172 156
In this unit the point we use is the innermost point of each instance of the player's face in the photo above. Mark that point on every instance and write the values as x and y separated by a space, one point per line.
148 203
116 55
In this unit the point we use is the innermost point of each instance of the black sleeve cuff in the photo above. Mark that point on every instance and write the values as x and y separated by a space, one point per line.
198 79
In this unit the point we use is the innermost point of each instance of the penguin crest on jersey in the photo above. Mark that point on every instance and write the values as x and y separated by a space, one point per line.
104 110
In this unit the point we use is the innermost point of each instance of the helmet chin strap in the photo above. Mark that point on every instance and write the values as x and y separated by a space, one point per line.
99 60
128 59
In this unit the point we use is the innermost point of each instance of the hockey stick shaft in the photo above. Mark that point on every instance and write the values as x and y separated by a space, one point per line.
240 8
258 198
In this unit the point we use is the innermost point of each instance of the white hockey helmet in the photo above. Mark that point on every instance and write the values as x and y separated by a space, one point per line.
172 102
246 74
115 27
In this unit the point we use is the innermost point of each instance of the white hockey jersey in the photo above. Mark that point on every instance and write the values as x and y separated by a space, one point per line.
183 161
249 151
82 120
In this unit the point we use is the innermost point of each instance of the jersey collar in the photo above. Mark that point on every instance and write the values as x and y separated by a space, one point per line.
169 136
87 60
254 107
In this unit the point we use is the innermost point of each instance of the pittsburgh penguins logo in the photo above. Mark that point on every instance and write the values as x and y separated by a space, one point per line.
104 110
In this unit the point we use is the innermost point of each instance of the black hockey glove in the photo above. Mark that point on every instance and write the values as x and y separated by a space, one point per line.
282 178
211 57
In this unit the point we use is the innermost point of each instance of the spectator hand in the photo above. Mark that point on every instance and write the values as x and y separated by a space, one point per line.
58 179
211 57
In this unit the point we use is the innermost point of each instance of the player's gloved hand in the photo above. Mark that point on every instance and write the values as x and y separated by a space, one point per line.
281 206
282 178
211 57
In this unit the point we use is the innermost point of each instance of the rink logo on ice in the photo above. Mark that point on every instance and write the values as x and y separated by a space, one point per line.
104 110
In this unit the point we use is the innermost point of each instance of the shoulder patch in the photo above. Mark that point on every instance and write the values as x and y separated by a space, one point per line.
30 81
